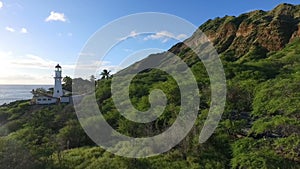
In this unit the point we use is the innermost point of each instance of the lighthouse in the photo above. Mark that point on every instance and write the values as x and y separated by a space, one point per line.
57 92
43 98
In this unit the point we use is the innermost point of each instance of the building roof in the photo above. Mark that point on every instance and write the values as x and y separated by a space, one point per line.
44 95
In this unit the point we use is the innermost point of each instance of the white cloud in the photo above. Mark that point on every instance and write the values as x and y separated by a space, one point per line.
28 69
182 36
165 36
33 69
4 56
23 30
85 69
64 34
21 78
128 50
55 16
132 34
33 61
86 54
36 62
159 35
10 29
1 4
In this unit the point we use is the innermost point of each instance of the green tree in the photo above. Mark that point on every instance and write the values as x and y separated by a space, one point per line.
14 156
67 83
72 135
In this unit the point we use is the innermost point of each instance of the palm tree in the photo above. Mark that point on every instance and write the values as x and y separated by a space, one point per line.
105 74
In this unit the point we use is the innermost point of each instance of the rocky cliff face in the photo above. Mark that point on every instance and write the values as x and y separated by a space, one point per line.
270 30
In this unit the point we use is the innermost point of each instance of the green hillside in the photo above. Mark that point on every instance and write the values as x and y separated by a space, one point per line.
260 126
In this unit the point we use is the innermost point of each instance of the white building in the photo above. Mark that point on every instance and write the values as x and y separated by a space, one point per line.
58 93
45 100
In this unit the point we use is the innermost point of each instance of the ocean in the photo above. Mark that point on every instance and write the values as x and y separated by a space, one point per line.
10 93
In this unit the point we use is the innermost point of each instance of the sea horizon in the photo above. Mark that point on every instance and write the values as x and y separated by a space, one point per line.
14 92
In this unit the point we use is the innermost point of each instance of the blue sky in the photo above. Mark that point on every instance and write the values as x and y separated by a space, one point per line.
36 35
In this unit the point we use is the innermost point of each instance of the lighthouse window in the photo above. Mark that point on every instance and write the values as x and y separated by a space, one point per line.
44 99
57 91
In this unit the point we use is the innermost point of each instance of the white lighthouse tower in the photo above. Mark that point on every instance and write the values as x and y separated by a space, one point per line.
57 92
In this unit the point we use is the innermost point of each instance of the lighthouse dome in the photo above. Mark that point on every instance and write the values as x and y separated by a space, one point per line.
57 66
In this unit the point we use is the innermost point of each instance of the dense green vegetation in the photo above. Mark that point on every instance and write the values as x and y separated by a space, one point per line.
260 126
